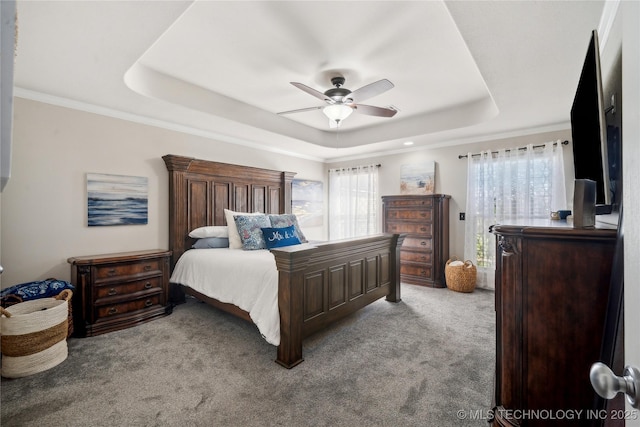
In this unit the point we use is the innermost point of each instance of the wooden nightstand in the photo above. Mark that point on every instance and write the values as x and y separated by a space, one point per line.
117 291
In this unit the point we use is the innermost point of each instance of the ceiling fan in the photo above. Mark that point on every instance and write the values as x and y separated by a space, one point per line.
341 102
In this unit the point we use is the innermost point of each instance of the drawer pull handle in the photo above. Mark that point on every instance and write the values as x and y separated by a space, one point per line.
112 272
147 285
148 303
147 267
112 291
112 310
423 228
423 214
423 243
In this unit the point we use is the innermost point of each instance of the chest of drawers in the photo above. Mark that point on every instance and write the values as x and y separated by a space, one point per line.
425 220
117 291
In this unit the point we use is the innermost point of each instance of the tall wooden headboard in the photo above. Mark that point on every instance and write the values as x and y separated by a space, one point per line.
200 190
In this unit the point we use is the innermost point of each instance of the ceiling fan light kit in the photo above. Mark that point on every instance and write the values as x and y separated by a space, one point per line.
337 112
342 102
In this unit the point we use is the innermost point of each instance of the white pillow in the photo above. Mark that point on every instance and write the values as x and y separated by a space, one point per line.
234 237
210 231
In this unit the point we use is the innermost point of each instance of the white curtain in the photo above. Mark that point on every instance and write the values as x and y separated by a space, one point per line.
509 187
354 204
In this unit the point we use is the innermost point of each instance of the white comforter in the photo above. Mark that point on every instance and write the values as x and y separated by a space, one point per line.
247 279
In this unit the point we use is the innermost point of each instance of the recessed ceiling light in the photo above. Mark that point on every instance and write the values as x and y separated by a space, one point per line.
408 143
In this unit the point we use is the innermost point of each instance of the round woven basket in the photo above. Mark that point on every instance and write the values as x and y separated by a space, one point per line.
34 335
461 277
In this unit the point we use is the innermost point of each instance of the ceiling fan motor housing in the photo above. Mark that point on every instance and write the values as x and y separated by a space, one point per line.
337 93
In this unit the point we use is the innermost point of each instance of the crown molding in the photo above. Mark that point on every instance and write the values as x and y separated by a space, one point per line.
163 124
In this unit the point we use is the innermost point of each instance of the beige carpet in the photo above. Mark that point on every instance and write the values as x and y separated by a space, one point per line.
426 361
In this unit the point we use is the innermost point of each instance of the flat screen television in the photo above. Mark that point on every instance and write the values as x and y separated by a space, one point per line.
591 157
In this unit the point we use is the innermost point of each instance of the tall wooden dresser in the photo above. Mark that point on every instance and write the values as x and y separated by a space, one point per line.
552 286
425 220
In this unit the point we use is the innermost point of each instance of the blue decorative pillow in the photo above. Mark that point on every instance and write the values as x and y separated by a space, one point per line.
249 229
40 289
211 242
278 237
287 220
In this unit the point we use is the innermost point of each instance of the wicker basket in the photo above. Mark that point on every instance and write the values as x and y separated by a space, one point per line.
34 335
461 276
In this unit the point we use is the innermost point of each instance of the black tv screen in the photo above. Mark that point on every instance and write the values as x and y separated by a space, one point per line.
588 126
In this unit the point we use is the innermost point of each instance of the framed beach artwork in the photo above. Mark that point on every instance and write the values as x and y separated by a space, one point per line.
306 202
418 178
116 199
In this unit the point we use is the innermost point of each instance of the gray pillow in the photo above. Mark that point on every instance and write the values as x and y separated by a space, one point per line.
211 242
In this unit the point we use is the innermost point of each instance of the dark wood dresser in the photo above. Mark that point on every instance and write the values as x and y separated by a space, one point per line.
117 291
425 220
552 285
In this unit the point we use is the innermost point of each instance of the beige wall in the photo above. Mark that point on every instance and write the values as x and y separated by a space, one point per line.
43 209
451 173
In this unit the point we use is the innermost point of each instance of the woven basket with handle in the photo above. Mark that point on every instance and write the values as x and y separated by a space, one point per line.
34 335
460 276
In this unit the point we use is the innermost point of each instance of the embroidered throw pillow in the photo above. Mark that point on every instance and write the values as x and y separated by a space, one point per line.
278 237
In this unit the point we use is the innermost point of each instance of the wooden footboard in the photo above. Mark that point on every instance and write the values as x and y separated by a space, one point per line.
319 284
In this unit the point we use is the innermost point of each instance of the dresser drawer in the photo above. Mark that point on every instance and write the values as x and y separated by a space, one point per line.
424 271
410 203
412 256
105 272
425 229
418 243
127 288
127 306
410 215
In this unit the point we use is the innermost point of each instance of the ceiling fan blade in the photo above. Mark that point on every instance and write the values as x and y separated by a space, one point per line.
370 90
300 110
375 111
312 92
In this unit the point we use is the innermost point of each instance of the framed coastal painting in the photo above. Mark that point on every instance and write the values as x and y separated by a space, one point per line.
116 199
306 202
418 178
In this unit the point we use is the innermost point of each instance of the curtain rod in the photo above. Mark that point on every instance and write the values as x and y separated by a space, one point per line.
365 166
464 156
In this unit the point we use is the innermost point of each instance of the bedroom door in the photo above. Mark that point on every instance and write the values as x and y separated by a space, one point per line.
631 177
630 13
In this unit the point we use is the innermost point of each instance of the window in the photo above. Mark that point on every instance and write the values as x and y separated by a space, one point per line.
354 204
509 186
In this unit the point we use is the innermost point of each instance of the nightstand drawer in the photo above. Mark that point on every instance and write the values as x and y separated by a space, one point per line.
425 229
127 269
123 289
127 306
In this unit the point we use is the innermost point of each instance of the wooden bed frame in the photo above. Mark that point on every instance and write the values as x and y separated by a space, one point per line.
317 283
